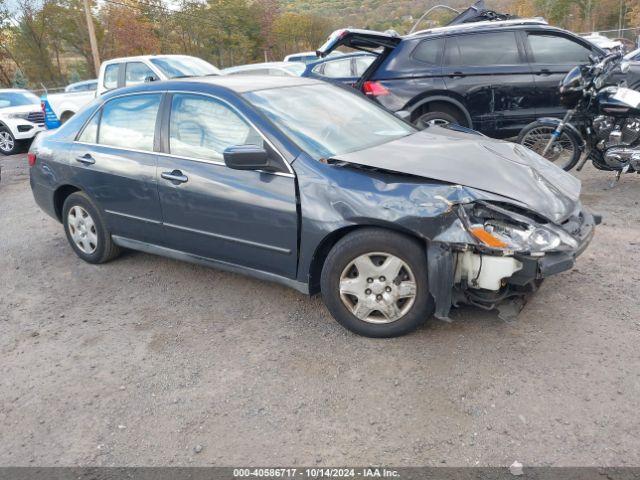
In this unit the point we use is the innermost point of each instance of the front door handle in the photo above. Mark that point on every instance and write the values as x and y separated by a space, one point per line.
86 159
175 176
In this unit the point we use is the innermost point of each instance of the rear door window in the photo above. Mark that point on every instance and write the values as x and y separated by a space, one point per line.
111 76
499 48
337 68
361 64
554 49
130 122
429 51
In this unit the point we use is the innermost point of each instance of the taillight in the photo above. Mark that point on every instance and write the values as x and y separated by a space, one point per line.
32 158
374 89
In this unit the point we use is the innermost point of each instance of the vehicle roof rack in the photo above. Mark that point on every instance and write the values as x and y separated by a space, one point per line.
487 23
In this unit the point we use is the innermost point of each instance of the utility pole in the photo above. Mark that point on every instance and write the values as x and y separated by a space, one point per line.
92 38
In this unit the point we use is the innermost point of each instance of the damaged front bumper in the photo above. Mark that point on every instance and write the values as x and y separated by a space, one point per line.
490 280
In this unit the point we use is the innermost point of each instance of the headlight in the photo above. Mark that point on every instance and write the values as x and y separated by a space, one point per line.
23 116
498 234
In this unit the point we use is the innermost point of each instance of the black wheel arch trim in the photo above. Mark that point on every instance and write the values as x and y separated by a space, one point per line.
442 98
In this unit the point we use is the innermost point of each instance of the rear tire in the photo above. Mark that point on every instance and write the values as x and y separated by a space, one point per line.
565 151
439 114
374 283
86 230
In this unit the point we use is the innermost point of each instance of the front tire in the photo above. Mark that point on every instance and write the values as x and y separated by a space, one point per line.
86 230
8 144
565 151
374 283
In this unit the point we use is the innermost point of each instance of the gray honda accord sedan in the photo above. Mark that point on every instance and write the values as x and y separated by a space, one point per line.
301 182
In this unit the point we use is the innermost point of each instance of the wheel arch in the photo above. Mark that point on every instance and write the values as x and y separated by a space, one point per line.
60 195
419 105
330 240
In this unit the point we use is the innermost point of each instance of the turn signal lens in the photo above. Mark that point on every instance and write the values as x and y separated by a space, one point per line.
487 238
31 157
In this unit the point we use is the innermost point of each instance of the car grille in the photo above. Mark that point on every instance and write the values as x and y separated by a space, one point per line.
36 117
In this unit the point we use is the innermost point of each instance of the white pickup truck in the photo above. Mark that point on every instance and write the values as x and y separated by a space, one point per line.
125 72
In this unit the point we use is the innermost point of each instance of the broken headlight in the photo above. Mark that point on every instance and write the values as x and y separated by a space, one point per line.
498 234
498 230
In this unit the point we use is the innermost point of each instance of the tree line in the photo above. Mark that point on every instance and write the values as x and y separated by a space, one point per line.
46 42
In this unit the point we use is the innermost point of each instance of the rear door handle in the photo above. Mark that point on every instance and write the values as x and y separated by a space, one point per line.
457 75
175 176
544 72
86 159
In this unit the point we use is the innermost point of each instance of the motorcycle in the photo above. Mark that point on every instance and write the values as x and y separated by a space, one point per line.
602 121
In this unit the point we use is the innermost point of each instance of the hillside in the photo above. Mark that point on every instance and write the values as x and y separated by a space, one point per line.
379 14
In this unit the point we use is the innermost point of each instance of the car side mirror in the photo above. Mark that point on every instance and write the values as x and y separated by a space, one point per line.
624 67
247 157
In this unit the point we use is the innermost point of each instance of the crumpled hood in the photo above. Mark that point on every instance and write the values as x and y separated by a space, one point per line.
475 161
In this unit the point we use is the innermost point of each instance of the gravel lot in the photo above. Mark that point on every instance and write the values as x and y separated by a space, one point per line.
149 361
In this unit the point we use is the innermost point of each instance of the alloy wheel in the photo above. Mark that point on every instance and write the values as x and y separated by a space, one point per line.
378 287
82 229
6 142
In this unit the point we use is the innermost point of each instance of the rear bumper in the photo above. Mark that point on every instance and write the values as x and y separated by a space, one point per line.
43 195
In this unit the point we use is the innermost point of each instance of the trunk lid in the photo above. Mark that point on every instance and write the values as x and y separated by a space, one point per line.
358 39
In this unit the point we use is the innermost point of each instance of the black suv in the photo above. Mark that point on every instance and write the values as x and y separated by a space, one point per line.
493 76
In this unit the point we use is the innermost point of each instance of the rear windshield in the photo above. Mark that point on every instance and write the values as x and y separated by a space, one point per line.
327 121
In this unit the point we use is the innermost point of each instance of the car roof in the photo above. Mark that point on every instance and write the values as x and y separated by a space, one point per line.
484 25
235 83
22 90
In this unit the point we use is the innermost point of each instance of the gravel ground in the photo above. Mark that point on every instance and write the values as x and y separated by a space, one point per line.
149 361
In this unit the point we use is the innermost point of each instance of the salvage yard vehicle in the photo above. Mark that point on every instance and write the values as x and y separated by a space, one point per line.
126 72
602 123
21 118
301 182
493 76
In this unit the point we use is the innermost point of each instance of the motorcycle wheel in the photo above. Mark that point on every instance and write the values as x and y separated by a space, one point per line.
565 151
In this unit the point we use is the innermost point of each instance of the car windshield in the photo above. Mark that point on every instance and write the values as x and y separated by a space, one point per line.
174 67
18 99
326 121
